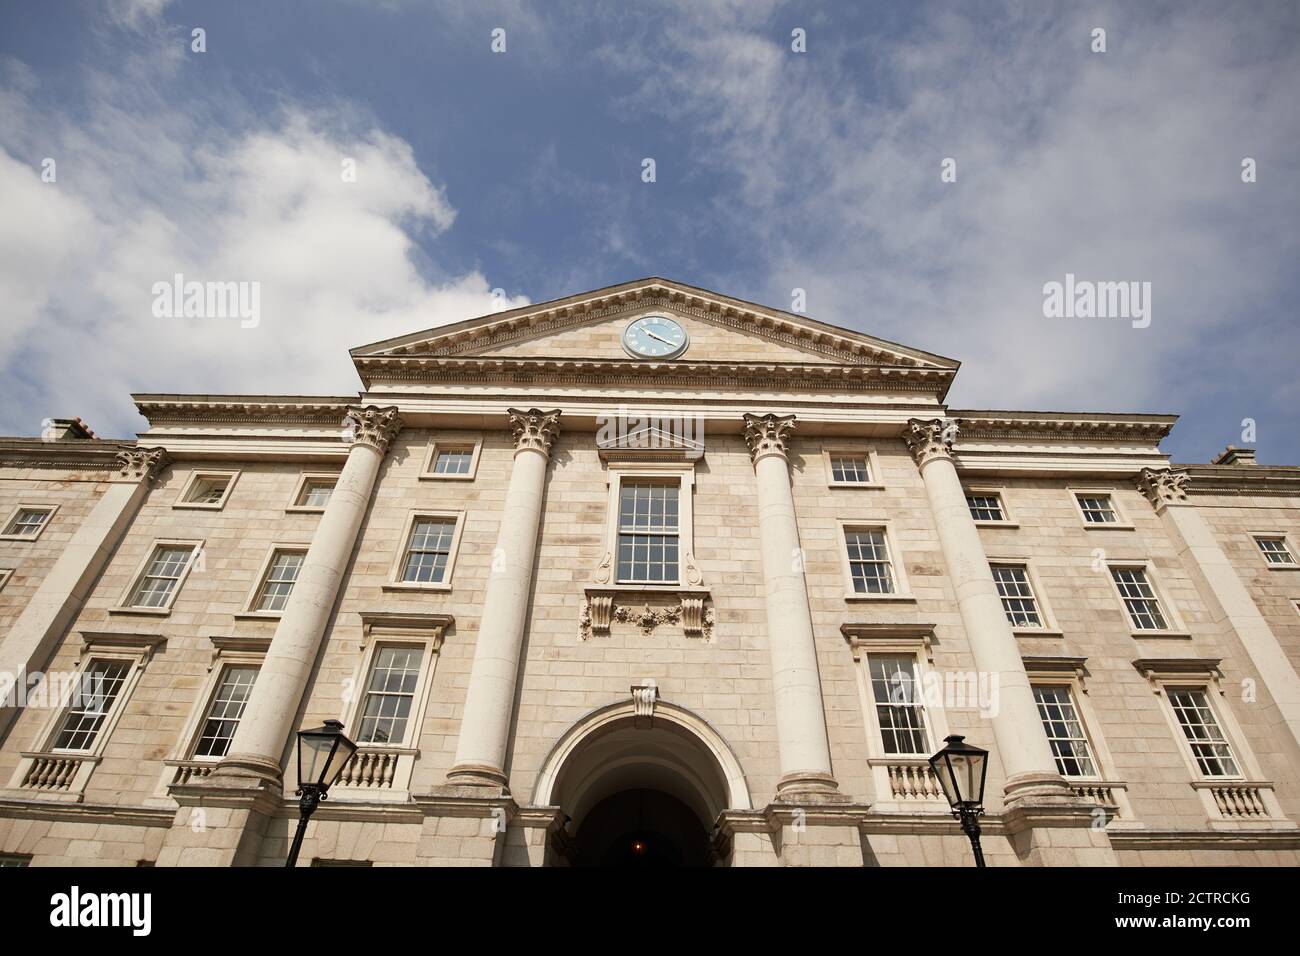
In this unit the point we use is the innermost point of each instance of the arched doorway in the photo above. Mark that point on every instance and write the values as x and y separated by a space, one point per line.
640 790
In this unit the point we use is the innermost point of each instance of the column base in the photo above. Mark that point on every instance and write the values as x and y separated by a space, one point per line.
1029 790
479 777
235 767
810 786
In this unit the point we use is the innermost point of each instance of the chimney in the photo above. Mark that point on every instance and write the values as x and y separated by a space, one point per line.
66 429
1235 456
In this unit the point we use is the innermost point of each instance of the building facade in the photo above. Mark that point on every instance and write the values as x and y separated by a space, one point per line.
644 575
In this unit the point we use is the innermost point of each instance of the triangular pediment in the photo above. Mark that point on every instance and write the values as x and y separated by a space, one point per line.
589 326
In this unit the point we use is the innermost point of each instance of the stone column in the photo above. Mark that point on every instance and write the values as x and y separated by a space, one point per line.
1229 601
489 702
268 719
800 716
31 640
1021 744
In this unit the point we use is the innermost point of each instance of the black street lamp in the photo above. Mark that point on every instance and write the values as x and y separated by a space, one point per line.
323 752
961 769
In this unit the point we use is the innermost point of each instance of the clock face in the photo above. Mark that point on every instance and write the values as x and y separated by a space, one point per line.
654 336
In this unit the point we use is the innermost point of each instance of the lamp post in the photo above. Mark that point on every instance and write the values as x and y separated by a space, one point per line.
961 769
323 752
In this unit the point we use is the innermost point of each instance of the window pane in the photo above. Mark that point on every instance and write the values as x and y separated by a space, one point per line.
1275 551
453 461
899 709
429 550
316 494
280 578
1209 747
208 491
1139 599
1017 595
985 507
28 522
869 562
389 695
849 469
161 576
225 711
1097 509
92 699
648 532
1064 732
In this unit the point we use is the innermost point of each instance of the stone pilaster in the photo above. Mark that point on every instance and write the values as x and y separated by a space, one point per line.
1021 744
489 702
1228 599
805 757
31 640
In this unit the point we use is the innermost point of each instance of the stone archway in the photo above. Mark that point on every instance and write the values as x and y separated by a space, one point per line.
640 789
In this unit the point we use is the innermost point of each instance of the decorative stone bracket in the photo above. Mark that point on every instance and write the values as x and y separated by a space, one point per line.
693 611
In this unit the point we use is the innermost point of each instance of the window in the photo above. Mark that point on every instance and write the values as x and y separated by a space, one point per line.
14 860
1097 509
390 691
225 711
314 493
1276 552
1064 731
27 522
986 507
156 587
899 713
5 575
869 565
428 550
1139 599
452 458
1210 748
207 489
849 469
1017 595
648 532
452 461
93 697
322 862
278 582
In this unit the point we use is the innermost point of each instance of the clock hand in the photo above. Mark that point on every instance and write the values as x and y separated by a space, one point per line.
659 337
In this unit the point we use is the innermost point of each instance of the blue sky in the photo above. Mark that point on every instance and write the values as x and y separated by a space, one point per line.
775 170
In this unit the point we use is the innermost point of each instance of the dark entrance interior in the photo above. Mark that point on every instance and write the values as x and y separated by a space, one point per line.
641 828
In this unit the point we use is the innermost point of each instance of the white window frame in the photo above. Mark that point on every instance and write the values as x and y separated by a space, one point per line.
133 649
137 576
1258 536
203 474
688 574
915 641
394 630
226 652
1071 674
300 491
5 575
1174 626
902 589
51 511
447 441
1050 627
395 582
985 491
1204 674
250 600
875 479
1122 521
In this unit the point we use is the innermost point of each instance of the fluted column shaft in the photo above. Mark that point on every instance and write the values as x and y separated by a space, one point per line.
489 702
805 757
273 705
1022 746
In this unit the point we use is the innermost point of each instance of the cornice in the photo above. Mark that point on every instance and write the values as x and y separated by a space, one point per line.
587 372
1079 426
244 410
1241 480
799 331
78 454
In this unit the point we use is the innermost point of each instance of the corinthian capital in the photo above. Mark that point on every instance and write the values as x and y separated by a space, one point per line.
1163 486
768 435
930 439
371 425
534 428
140 464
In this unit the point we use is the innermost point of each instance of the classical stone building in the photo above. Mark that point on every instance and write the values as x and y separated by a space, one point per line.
647 574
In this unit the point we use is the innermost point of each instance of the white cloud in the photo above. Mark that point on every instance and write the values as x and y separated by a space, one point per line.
144 192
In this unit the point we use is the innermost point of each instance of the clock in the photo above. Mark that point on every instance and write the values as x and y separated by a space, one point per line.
654 337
